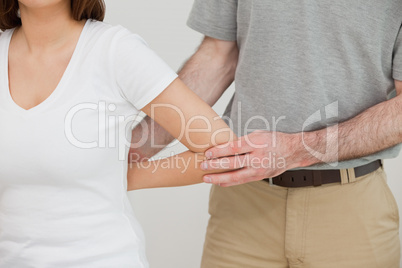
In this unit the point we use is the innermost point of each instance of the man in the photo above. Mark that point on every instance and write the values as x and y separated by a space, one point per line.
315 79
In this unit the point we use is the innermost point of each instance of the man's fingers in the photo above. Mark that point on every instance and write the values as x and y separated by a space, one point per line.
233 162
240 146
230 177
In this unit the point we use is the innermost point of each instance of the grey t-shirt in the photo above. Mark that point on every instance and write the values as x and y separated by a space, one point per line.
307 64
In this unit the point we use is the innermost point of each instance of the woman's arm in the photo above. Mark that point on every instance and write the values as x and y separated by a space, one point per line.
188 118
193 122
179 170
208 73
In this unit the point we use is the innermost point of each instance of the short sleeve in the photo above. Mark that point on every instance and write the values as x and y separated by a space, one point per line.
141 74
215 18
397 58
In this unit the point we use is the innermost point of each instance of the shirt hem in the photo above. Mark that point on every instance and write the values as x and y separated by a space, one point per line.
214 32
397 74
155 91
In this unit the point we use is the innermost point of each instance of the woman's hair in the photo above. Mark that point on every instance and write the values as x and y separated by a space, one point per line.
81 9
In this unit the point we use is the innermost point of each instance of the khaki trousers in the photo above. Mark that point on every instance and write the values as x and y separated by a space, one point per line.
353 224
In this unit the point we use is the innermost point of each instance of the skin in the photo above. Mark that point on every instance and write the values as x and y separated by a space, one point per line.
377 128
40 51
141 176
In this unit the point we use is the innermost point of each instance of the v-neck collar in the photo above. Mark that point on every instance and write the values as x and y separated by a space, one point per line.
60 85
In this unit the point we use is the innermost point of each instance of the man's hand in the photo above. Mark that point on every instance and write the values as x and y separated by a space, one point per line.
265 154
259 155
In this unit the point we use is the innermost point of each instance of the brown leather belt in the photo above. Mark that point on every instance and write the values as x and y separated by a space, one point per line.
304 177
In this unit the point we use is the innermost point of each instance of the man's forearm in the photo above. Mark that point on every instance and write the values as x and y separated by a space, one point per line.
148 139
375 129
211 70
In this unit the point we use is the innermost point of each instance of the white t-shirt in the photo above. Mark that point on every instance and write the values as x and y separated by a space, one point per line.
63 163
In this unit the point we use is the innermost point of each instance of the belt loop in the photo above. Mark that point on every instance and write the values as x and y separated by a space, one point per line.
351 174
317 178
344 176
270 181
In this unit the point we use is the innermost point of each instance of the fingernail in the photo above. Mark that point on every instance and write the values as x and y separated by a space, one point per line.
207 179
204 166
209 155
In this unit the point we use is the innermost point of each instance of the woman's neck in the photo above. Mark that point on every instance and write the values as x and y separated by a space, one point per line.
48 27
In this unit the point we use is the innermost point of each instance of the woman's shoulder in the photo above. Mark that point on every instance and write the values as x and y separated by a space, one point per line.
5 36
106 30
5 33
113 37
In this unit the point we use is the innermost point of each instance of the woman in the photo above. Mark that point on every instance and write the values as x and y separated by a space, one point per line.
68 86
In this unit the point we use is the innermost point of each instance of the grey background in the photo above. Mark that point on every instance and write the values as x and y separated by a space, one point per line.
174 220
